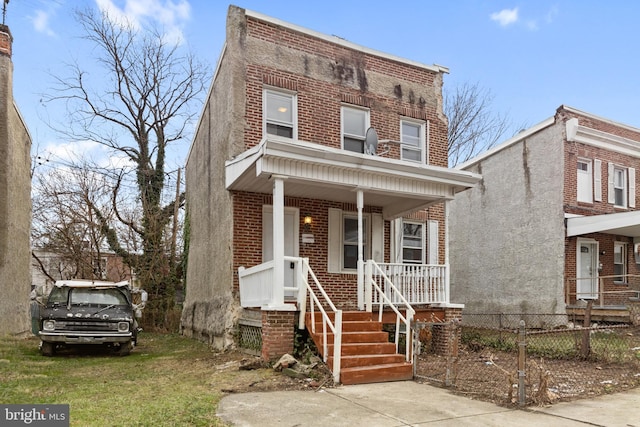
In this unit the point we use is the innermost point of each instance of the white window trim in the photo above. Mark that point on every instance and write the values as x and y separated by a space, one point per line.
335 254
588 180
625 263
423 240
367 123
294 107
629 186
423 140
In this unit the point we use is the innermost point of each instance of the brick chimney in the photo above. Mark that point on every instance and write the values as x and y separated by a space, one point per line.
5 41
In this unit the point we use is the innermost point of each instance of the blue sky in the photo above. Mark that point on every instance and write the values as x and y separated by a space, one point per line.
532 55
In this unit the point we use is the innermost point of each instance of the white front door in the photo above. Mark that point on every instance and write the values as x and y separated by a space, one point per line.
587 268
291 229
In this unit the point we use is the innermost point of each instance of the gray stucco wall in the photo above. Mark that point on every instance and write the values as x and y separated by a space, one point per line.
507 234
15 210
209 310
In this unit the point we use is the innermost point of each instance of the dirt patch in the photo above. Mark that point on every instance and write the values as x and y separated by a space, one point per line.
492 375
235 372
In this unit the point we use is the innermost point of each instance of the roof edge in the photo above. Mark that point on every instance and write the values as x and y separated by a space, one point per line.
342 42
506 144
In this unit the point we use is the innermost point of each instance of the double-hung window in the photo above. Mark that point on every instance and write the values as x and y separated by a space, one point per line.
350 241
412 139
620 261
413 246
585 181
622 186
279 113
355 122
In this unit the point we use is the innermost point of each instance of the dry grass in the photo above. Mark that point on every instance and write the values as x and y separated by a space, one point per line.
167 380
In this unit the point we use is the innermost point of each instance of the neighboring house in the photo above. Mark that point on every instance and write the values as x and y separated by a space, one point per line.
286 182
104 266
15 201
554 222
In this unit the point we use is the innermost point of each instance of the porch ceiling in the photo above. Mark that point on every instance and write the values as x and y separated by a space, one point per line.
621 224
319 172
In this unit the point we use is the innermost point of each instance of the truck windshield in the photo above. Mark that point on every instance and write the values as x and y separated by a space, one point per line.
109 296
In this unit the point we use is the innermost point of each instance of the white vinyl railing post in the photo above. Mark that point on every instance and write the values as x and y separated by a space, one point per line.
302 283
367 285
337 345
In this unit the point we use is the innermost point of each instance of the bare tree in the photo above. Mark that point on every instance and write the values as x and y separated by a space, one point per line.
473 126
66 237
146 95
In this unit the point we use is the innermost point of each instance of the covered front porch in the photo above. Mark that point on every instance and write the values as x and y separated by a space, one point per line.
607 266
332 233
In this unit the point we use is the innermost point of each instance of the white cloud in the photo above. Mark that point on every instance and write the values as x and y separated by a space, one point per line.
72 151
170 15
505 17
41 22
551 15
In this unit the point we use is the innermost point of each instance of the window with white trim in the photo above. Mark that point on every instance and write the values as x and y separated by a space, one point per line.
355 122
343 240
622 186
620 261
412 139
584 181
413 247
280 111
350 241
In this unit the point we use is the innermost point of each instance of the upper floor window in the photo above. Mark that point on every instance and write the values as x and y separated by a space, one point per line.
355 122
412 138
279 113
585 180
622 186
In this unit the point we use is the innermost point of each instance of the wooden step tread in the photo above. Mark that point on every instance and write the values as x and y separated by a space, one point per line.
378 373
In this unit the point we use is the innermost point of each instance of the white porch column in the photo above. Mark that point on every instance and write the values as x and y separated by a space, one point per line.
446 252
361 302
278 242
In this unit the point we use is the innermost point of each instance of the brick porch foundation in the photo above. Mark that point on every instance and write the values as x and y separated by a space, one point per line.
277 333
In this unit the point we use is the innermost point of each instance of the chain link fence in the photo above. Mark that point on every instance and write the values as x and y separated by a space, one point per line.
527 359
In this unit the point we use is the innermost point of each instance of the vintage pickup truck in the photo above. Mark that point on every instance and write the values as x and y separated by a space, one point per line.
89 312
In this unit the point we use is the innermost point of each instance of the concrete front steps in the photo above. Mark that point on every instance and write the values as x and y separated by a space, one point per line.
367 356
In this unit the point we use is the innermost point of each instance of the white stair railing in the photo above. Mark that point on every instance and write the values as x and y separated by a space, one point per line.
334 326
388 294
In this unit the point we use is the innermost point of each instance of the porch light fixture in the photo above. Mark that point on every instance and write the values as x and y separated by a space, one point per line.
307 222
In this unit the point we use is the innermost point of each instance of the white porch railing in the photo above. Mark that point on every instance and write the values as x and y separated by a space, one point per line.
334 326
256 285
379 287
256 290
416 283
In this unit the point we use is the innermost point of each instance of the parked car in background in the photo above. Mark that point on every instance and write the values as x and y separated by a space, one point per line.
78 312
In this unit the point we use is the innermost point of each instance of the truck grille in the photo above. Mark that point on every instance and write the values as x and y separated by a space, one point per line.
87 326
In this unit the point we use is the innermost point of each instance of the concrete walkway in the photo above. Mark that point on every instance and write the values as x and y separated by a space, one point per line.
408 403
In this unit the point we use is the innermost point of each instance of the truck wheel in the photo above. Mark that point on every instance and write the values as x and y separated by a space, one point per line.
47 348
124 349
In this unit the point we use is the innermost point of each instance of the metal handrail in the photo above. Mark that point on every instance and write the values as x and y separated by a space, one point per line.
383 298
601 293
335 326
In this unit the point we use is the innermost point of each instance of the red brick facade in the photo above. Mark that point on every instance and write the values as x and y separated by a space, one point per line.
573 152
277 333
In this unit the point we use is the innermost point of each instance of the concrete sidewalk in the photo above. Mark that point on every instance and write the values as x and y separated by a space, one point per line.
408 403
